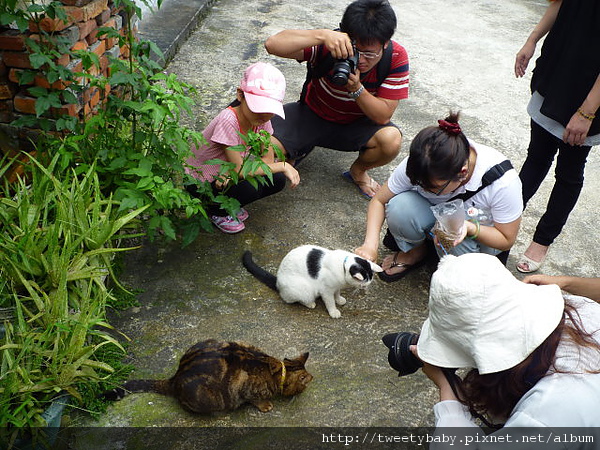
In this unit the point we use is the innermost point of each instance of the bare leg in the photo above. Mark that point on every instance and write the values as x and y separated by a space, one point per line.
382 148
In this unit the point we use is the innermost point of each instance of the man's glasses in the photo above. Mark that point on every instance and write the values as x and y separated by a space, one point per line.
369 55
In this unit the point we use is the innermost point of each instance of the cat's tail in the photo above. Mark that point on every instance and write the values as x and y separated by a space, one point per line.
261 274
132 386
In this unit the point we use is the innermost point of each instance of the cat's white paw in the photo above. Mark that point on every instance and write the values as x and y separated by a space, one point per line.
341 300
311 305
335 313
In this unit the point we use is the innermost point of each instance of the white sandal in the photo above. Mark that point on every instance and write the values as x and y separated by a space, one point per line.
532 266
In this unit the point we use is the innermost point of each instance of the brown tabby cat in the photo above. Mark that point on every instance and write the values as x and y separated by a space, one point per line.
218 376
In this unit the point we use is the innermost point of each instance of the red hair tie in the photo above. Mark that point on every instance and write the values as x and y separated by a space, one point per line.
450 127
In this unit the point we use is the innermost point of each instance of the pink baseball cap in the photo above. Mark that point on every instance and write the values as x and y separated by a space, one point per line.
264 88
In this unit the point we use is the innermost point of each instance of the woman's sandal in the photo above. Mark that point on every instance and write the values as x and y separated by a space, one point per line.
397 276
532 266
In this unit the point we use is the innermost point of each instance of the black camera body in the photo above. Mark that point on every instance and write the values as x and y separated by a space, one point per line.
342 68
400 357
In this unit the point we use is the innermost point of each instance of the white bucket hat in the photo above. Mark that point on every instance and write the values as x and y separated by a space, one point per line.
481 316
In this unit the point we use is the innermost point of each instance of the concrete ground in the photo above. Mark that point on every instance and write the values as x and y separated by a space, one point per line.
461 56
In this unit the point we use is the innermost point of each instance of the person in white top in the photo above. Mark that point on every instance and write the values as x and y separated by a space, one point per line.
533 354
442 164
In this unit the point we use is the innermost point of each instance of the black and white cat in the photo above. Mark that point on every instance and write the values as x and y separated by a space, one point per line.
309 272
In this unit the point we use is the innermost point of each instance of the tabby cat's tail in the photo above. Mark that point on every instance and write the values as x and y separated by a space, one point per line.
261 274
131 386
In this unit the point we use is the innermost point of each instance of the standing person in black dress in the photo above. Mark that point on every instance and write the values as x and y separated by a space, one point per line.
565 97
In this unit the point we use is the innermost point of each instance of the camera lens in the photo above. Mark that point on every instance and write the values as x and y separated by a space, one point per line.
342 68
341 71
400 357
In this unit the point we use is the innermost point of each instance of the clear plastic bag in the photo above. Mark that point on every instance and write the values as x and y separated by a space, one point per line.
450 220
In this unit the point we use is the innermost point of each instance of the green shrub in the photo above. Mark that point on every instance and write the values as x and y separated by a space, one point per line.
58 234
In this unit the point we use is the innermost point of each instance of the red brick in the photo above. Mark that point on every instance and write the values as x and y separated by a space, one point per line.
88 94
69 110
79 45
98 48
14 76
94 71
7 91
86 28
12 40
104 65
16 59
64 60
112 23
75 66
75 13
75 2
95 99
93 9
50 25
111 42
92 38
24 104
103 17
41 81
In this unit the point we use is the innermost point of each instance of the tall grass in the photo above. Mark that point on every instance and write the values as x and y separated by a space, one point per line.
58 235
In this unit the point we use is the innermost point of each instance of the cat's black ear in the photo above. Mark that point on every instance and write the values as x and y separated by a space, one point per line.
303 357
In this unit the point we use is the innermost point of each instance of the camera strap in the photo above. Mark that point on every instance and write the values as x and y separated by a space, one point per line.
488 178
325 64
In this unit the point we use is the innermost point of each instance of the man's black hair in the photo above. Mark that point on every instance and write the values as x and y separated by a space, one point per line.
369 21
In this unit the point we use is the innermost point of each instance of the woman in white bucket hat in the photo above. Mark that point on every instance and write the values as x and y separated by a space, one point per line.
533 352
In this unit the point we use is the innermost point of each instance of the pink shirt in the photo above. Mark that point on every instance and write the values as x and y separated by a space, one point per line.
221 131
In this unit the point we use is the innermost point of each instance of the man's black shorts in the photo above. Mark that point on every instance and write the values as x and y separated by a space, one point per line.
302 130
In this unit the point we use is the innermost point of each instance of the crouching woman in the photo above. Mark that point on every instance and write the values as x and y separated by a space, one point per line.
533 353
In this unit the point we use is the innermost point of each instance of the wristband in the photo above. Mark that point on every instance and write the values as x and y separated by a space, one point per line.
356 93
476 235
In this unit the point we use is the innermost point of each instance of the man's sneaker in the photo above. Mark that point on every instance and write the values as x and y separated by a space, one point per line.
242 215
227 224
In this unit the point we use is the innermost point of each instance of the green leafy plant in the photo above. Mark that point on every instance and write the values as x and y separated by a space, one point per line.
135 141
255 146
58 234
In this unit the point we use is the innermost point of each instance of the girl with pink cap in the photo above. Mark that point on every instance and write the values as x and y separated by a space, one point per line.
258 99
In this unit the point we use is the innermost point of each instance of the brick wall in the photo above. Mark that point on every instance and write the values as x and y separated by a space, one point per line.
85 17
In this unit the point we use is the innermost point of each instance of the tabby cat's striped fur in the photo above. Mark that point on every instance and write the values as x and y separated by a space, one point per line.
218 376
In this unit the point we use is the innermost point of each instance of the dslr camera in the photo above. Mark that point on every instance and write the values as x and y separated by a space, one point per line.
400 357
342 68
